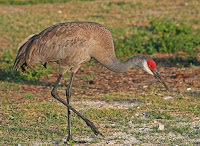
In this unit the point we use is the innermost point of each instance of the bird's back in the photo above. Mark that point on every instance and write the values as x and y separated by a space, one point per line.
68 44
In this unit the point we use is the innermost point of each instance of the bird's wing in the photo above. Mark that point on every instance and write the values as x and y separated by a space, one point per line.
59 39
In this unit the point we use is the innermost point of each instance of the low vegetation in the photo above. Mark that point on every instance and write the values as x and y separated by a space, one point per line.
162 35
128 108
30 2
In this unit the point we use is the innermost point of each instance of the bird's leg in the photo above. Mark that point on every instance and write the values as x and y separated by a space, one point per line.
54 93
68 94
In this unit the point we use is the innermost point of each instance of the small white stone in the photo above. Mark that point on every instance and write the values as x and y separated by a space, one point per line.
138 107
161 127
59 11
167 97
112 125
188 89
136 115
145 86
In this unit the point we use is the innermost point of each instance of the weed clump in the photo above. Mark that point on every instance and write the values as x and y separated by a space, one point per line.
162 35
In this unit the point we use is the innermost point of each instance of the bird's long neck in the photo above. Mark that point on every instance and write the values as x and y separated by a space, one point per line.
117 66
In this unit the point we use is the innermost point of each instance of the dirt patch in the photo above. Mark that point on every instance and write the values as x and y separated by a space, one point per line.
97 80
104 81
85 105
11 9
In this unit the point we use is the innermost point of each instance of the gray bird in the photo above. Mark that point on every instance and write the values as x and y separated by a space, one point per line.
70 44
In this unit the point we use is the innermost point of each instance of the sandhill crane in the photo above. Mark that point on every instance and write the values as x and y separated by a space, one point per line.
70 44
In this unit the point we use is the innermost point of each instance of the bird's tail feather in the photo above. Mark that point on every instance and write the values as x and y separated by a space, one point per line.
24 41
20 60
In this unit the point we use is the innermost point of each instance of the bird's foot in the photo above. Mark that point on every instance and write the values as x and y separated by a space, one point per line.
69 138
93 127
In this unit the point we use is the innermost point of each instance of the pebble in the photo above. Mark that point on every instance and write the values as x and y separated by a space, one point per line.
145 86
112 125
188 89
59 11
161 127
167 97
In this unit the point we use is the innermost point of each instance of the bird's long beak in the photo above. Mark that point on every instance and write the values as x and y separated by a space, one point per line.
156 74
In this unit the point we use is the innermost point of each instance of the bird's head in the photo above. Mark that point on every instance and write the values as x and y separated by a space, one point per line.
149 65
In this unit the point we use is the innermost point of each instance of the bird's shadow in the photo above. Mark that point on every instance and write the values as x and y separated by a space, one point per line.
9 76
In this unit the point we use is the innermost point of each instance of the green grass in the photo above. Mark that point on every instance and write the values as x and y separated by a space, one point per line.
162 35
157 35
33 2
45 121
29 96
28 115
